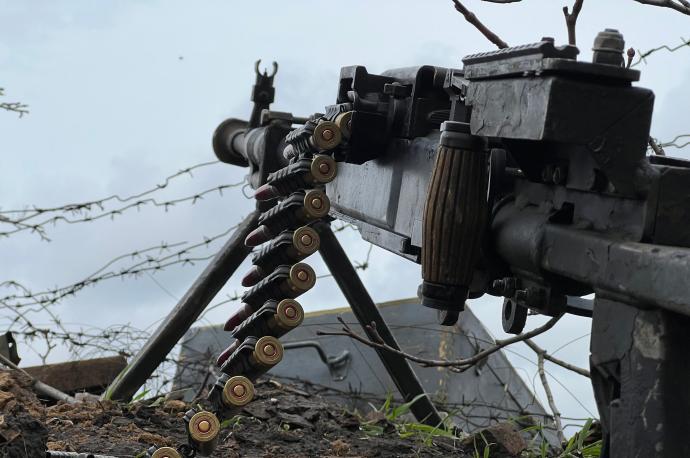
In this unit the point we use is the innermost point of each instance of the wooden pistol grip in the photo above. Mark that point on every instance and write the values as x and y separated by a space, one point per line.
454 218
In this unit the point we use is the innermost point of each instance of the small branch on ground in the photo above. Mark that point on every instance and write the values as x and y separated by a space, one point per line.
472 19
39 386
549 397
571 20
457 364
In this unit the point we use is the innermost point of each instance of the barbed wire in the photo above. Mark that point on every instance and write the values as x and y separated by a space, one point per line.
24 222
149 264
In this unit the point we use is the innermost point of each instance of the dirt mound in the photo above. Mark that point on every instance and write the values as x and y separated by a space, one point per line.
22 429
282 421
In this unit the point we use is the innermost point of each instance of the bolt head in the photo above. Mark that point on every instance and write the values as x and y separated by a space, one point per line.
306 239
302 275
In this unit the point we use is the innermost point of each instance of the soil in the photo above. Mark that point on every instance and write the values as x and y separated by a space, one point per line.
283 421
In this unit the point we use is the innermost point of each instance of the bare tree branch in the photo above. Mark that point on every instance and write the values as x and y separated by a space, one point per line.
461 364
682 6
16 107
549 398
571 20
643 55
472 19
673 143
540 351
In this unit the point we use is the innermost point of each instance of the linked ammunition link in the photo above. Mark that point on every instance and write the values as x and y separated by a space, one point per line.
298 209
289 247
269 309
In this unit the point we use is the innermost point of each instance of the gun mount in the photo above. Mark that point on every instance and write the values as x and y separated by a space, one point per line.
523 175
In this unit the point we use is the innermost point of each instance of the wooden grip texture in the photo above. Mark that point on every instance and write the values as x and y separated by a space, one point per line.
454 220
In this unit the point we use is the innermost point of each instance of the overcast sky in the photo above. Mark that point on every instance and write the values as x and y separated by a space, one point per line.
122 94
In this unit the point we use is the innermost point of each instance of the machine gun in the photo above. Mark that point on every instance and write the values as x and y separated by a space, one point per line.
523 175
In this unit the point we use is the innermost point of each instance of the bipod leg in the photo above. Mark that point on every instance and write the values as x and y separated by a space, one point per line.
185 313
365 310
640 375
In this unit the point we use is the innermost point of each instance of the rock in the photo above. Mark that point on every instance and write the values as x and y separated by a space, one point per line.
294 420
311 415
340 447
503 439
257 411
174 405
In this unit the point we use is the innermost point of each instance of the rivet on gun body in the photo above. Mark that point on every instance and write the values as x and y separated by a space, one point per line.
203 428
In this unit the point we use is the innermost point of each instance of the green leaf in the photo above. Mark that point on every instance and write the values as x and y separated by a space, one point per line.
403 408
584 434
140 396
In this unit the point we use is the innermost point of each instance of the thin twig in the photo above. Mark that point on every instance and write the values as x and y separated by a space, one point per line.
673 143
16 107
549 397
461 364
682 6
472 19
540 351
643 55
571 20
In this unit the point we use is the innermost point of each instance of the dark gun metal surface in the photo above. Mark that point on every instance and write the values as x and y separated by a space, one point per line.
576 207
